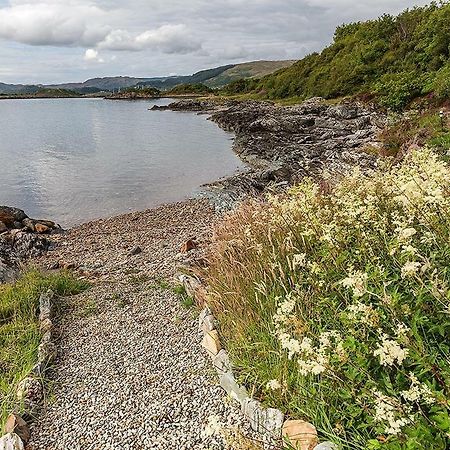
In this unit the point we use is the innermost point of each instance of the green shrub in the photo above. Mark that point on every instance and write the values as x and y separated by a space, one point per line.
334 304
397 90
398 56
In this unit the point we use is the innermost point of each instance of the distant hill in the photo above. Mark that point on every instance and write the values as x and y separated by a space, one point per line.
395 58
256 69
18 88
216 77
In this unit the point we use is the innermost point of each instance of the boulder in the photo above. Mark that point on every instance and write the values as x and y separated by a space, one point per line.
9 215
300 434
263 420
211 342
15 424
3 227
30 389
41 228
11 441
189 245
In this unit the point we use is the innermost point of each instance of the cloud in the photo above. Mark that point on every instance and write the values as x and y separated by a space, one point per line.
53 24
167 38
85 25
92 55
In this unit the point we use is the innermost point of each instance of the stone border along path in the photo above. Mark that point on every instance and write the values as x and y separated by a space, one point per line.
268 422
130 373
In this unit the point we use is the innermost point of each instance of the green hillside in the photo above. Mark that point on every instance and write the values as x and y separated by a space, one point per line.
246 70
394 58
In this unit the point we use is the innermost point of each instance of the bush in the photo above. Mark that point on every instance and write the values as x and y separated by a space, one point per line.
397 90
334 304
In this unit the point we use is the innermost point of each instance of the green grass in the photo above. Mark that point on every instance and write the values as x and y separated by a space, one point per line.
19 327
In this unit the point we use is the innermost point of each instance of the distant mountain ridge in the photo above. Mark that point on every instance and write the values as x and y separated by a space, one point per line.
216 77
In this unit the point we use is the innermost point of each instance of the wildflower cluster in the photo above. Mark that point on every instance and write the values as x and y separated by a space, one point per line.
340 297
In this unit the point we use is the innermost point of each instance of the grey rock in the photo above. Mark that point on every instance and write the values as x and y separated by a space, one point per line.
286 144
221 362
11 441
208 323
135 251
203 314
45 305
263 420
229 384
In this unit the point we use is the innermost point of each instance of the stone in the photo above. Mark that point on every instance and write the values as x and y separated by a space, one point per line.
30 389
189 245
40 228
135 251
221 362
47 349
191 285
45 325
326 446
205 312
207 324
9 215
28 224
3 227
229 385
300 434
45 305
211 342
15 424
11 441
263 420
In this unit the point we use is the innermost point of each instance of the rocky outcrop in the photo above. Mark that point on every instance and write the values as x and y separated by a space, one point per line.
21 238
282 145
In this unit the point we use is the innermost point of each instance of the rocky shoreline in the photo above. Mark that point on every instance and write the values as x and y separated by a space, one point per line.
20 239
283 144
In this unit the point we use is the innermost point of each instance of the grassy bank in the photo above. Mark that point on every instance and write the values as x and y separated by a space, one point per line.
19 327
333 301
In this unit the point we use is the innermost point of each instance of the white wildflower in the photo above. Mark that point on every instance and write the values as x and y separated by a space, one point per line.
390 351
406 233
362 313
273 385
390 411
418 392
357 281
410 269
298 260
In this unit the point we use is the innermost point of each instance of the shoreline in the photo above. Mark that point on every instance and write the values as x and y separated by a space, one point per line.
280 146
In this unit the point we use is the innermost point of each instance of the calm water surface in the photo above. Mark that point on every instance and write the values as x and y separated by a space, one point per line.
72 160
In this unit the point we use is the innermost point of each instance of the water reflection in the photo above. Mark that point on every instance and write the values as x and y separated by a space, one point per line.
79 159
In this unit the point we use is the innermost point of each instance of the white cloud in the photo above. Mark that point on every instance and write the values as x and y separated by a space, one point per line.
85 25
92 55
167 38
53 24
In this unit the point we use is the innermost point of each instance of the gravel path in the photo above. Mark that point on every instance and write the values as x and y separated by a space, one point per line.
130 373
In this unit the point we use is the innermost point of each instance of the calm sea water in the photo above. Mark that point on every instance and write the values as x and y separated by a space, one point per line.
72 160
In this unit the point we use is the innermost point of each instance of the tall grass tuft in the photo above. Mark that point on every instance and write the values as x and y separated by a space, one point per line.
335 303
19 327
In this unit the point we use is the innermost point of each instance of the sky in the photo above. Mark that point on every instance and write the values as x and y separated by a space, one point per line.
52 41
